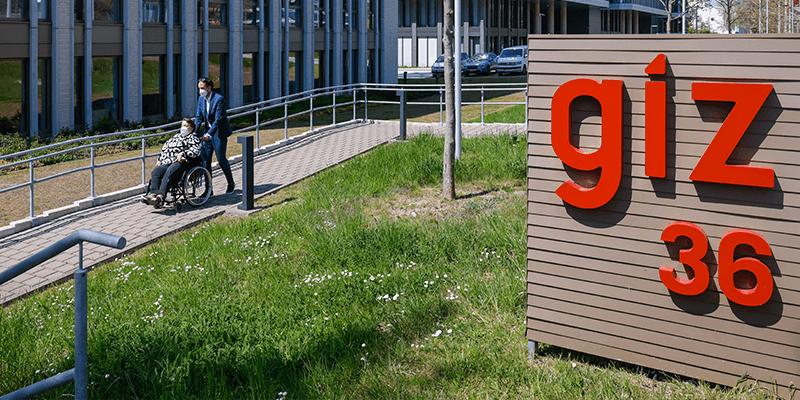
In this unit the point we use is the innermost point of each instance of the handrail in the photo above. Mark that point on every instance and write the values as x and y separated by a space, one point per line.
79 374
350 92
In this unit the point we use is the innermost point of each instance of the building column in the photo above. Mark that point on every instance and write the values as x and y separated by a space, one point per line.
204 65
235 79
636 22
439 38
483 37
62 56
465 39
33 70
326 59
387 14
350 53
414 45
308 46
262 65
275 49
131 93
363 51
551 17
170 61
629 18
563 17
337 59
537 20
188 84
88 17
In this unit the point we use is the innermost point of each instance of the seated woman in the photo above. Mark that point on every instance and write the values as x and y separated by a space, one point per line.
178 154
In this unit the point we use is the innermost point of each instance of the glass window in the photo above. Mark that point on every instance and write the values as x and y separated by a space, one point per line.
105 89
217 71
354 17
78 106
318 69
371 15
293 58
154 11
319 15
11 96
296 13
79 6
153 101
106 10
44 9
250 13
13 9
250 77
217 14
44 97
176 12
176 84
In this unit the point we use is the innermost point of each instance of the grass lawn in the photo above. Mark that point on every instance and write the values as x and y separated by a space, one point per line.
360 282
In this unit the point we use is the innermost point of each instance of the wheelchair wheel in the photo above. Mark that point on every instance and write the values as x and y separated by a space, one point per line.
197 186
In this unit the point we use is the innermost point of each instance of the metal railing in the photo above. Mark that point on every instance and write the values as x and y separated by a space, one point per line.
355 96
80 373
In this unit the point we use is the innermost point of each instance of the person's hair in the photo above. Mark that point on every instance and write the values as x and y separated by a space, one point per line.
209 83
190 121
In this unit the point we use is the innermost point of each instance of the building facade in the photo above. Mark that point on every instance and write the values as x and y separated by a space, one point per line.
492 25
99 60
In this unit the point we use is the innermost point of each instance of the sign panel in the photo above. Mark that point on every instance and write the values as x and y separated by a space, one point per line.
664 201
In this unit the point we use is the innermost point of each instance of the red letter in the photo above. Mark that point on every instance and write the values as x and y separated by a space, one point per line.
712 167
762 291
655 120
608 157
691 257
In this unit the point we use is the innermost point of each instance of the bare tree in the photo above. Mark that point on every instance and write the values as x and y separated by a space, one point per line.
730 10
448 177
668 5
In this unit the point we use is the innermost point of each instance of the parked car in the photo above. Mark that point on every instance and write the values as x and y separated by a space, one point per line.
437 69
513 59
483 63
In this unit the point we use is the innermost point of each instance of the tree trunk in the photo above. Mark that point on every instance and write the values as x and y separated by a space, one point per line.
448 175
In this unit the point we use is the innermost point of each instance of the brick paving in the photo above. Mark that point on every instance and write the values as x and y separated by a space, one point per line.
140 224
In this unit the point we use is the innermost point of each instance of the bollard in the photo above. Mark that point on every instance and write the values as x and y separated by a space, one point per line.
402 115
247 172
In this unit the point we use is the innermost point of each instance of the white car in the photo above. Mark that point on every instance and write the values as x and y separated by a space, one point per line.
513 60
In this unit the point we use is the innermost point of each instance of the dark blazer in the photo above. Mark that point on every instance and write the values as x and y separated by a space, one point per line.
215 122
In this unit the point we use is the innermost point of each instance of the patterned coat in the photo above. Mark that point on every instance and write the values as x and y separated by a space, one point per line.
188 144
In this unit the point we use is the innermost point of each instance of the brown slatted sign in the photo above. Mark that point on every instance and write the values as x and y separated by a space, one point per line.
664 202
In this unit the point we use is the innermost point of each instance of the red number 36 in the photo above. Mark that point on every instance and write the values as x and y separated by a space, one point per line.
692 257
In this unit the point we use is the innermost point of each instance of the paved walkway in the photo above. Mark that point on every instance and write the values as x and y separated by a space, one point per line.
140 224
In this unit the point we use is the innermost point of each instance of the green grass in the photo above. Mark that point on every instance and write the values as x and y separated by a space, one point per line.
329 294
10 86
511 115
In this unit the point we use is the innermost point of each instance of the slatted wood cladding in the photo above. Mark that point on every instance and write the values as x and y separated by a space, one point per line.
593 282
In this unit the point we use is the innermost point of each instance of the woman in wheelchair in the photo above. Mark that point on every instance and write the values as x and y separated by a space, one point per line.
178 155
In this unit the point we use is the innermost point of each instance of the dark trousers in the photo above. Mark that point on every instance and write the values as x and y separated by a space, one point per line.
165 175
218 146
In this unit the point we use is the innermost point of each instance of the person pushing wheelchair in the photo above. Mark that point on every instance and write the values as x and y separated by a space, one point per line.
178 154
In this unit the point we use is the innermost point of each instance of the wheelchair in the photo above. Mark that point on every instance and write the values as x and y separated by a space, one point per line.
193 188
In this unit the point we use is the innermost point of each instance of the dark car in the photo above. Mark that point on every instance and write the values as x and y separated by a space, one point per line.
483 63
437 69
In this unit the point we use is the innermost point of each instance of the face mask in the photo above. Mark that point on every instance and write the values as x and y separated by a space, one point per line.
184 130
203 92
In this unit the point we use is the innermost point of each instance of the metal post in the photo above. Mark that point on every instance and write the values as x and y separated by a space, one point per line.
247 172
441 122
403 115
30 188
458 40
482 105
366 105
354 104
311 105
531 350
81 332
285 120
258 146
144 160
334 108
91 171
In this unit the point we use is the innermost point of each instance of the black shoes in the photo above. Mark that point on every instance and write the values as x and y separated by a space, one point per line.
231 186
